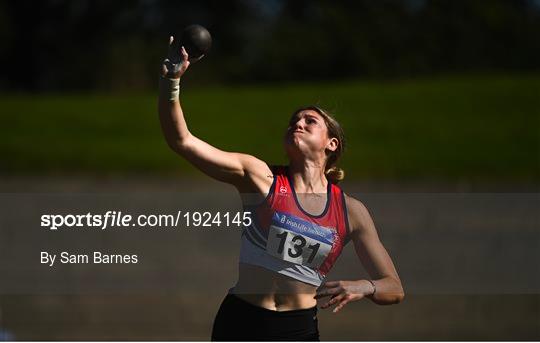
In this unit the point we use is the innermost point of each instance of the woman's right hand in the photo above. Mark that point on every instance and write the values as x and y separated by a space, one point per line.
176 63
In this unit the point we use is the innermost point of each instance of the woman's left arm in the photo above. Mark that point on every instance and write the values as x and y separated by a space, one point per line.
385 286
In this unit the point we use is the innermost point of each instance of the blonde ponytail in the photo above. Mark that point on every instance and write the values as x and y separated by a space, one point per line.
335 174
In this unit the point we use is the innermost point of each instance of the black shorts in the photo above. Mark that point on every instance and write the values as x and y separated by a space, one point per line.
238 320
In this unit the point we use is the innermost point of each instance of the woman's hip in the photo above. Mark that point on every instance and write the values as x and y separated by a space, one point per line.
237 319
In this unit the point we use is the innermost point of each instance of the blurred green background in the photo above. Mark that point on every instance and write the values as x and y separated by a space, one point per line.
426 90
464 128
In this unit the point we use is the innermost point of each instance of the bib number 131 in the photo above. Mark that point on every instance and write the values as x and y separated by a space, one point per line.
296 248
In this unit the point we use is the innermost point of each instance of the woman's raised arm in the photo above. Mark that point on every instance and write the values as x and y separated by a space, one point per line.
244 171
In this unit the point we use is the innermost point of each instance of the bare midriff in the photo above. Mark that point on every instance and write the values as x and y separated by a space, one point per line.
273 291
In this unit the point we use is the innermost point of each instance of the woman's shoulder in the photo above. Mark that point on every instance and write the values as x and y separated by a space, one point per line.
353 204
358 214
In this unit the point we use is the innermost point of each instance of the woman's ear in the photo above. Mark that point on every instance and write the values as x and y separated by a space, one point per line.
333 144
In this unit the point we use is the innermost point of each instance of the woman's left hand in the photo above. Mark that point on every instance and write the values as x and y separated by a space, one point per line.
343 292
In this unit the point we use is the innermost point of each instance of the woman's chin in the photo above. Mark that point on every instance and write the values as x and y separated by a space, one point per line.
292 143
295 149
294 140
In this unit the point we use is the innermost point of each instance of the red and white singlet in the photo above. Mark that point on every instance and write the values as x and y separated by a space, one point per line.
287 240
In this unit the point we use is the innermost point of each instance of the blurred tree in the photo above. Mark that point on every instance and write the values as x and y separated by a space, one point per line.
117 45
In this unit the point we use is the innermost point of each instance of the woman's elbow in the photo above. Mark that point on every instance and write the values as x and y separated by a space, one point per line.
174 146
178 145
400 294
394 295
389 299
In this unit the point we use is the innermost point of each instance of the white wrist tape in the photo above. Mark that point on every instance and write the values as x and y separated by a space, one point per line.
169 88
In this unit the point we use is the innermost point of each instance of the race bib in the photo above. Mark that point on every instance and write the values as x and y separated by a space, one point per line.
299 241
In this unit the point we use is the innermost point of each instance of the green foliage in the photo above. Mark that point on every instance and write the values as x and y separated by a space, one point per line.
63 45
484 127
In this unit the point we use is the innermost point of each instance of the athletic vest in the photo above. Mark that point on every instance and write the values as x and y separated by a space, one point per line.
284 238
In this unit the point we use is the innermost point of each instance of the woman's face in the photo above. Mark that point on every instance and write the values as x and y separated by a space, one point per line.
307 134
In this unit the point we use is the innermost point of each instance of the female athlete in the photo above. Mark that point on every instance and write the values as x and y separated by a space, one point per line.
298 229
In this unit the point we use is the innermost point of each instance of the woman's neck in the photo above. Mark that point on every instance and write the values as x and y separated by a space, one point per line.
308 177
